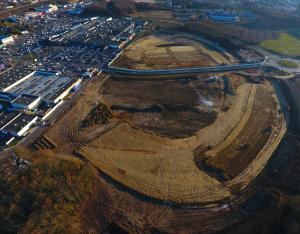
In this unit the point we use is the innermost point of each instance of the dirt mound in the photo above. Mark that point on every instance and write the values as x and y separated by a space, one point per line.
100 114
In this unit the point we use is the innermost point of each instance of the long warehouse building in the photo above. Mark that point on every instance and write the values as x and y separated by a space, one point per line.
28 85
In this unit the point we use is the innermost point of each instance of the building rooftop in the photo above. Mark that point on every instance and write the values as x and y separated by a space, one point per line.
46 85
13 75
58 92
124 35
7 96
7 117
19 123
25 99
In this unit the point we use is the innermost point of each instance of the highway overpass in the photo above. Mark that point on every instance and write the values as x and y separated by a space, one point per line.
179 71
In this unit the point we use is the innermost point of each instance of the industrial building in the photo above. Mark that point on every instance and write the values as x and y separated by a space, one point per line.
25 102
45 110
47 85
7 96
25 89
14 124
7 117
14 76
19 125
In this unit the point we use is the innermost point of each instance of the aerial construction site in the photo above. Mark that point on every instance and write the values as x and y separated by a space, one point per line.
150 117
173 153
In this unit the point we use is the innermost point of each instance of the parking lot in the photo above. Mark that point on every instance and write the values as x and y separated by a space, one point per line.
69 44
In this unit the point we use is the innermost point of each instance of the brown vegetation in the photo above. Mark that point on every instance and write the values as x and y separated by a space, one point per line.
100 114
229 31
43 197
114 7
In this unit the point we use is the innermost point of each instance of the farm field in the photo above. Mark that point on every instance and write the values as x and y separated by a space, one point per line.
288 64
285 44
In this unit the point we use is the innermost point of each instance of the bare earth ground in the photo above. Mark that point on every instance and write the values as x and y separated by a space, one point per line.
155 165
66 132
164 168
253 130
155 106
165 52
159 131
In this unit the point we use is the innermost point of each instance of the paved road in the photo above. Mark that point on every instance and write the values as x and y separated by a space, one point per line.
178 71
274 59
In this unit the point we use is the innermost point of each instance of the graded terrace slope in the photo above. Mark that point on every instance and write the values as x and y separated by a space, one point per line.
165 168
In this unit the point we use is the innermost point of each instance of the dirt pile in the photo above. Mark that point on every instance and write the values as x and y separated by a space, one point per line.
100 114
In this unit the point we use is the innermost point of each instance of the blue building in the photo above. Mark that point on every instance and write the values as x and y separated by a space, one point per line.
223 17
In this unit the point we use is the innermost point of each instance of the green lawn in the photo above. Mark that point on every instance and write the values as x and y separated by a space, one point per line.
288 64
284 45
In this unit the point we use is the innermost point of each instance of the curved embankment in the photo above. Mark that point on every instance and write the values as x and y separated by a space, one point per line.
164 168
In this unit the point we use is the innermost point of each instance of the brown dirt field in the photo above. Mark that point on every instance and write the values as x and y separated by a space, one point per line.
156 107
66 133
157 166
166 52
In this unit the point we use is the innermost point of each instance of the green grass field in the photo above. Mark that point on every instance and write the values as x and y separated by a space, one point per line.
288 64
284 45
